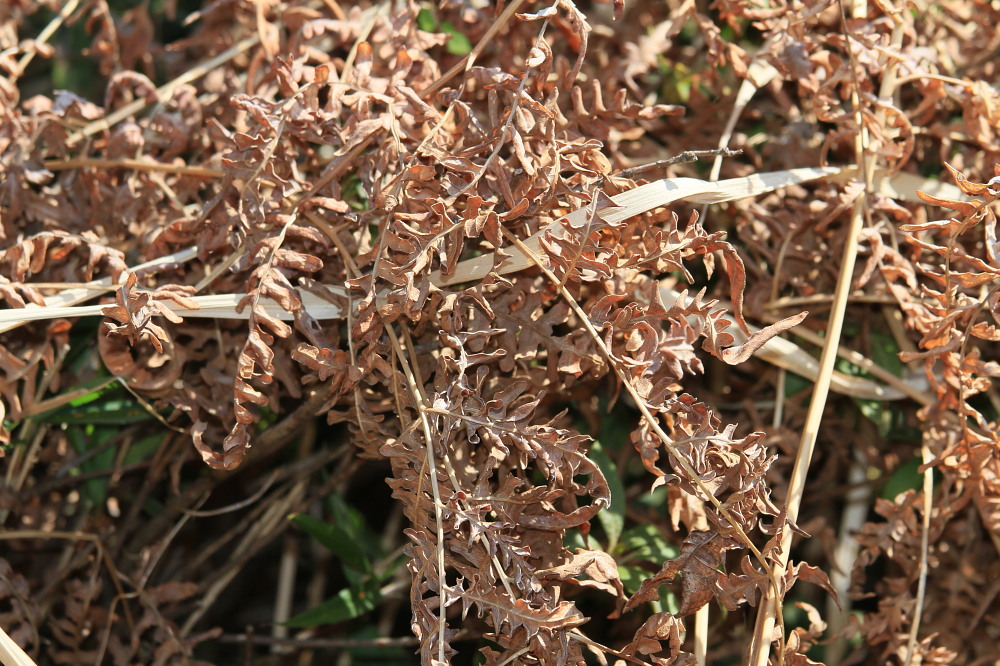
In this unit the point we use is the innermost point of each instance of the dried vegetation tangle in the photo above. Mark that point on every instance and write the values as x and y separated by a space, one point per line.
331 244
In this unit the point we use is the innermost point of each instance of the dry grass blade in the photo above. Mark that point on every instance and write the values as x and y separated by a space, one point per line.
11 653
628 204
783 353
59 305
636 201
777 351
771 609
432 472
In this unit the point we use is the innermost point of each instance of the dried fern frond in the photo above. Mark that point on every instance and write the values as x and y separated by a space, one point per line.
778 351
627 204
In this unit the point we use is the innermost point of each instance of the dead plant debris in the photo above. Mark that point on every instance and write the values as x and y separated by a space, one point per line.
259 256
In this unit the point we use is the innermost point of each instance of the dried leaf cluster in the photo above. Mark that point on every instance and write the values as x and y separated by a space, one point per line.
490 312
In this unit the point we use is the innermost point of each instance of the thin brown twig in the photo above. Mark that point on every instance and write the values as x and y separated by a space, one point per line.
255 535
579 636
431 465
368 18
681 158
235 506
321 643
506 129
592 208
137 165
113 572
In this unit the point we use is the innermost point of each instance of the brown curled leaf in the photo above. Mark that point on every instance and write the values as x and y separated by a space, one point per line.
740 353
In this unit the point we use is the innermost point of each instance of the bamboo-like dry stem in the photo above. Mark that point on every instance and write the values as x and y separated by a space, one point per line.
137 165
11 653
771 604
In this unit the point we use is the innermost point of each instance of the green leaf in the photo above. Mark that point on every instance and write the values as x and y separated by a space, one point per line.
645 543
98 386
353 521
655 500
632 577
885 352
346 515
795 384
338 540
144 448
349 603
616 426
426 21
352 190
905 477
86 438
612 518
573 540
88 410
459 44
876 412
